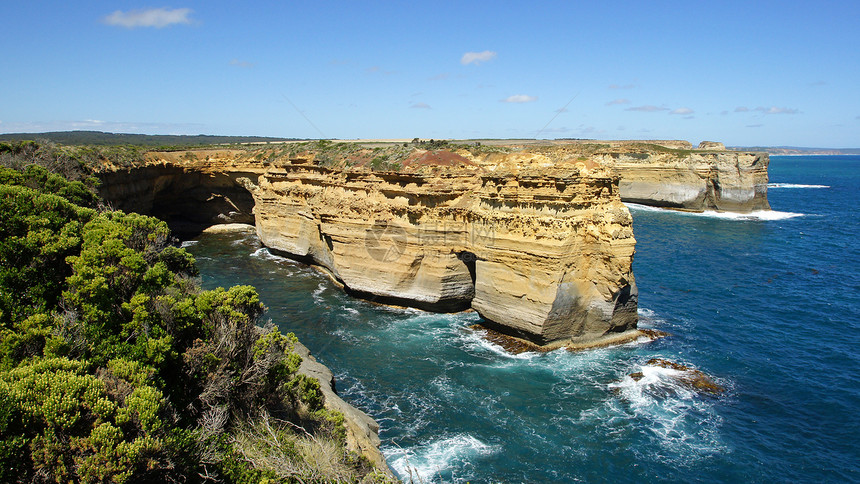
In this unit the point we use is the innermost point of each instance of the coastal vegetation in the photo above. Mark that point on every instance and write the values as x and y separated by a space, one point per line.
116 366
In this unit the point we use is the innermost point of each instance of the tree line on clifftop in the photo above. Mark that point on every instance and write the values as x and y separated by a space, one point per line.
115 366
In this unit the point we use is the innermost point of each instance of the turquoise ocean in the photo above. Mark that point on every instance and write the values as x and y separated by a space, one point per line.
766 305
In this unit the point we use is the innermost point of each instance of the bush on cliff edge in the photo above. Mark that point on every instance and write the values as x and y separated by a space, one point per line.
116 367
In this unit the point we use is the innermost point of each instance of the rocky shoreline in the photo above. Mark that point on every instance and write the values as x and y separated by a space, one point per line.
362 431
535 238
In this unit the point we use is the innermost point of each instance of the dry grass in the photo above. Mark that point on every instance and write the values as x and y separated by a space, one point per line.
296 456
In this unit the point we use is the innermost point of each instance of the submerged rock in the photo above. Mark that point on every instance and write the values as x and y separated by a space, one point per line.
689 377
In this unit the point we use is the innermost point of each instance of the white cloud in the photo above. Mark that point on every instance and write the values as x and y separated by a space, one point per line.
615 102
519 98
647 109
741 109
477 57
776 110
107 126
420 106
682 111
153 17
241 63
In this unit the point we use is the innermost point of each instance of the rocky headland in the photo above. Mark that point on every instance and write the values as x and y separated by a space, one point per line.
533 236
673 174
537 241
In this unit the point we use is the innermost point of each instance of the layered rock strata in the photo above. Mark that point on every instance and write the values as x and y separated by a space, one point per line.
541 247
710 178
536 240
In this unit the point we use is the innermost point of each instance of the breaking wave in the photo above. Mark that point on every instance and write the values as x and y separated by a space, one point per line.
794 185
427 463
764 215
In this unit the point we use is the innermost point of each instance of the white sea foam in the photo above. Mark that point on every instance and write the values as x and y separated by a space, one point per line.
647 313
765 215
475 341
426 463
680 420
263 253
317 294
350 310
188 243
794 185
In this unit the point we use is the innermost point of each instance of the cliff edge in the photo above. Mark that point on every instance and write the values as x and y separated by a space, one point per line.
540 245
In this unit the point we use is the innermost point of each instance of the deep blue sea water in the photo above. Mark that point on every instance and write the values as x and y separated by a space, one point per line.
767 307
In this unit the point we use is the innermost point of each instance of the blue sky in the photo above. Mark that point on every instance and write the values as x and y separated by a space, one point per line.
745 73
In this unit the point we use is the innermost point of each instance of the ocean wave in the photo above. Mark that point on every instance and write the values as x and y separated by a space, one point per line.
679 418
764 215
317 294
794 185
426 463
350 310
264 253
475 341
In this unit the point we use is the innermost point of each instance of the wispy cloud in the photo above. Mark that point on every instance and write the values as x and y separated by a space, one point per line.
477 57
439 77
420 106
241 63
776 110
377 69
741 109
681 111
754 125
108 126
616 102
647 109
817 83
153 17
621 86
519 98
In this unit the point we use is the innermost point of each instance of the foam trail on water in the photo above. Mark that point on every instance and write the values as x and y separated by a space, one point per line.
794 185
188 243
426 463
765 215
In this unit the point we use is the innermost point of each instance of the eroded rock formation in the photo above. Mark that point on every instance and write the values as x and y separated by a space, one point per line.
535 238
538 242
710 178
541 247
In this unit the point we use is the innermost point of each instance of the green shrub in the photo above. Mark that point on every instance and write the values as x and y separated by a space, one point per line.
116 367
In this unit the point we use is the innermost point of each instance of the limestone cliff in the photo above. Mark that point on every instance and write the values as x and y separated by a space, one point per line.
540 246
538 242
674 175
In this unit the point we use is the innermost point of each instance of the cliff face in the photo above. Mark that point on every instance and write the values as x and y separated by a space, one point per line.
706 179
541 247
189 194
